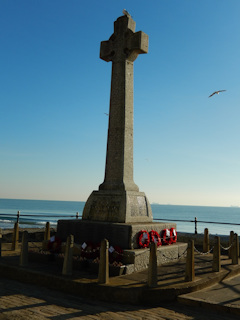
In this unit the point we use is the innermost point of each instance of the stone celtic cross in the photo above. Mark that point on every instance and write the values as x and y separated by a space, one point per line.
118 198
122 49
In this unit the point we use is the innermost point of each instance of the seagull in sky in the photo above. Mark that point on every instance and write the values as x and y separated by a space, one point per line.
216 92
106 114
126 13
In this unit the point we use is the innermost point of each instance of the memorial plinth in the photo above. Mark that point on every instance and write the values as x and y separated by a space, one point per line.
113 206
123 235
118 210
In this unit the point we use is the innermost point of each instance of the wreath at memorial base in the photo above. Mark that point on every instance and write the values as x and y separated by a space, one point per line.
173 233
166 236
155 237
115 254
143 239
54 245
96 250
87 250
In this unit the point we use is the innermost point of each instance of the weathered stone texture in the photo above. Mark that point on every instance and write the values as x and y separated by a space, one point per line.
122 207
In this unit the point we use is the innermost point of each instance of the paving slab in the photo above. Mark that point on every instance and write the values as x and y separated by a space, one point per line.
224 296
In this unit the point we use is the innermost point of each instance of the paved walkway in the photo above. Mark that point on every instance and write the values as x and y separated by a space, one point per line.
81 299
20 301
223 297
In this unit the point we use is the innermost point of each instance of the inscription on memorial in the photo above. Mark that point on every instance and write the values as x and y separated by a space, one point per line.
139 206
105 209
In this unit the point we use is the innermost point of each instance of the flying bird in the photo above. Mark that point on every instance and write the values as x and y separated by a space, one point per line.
126 13
216 92
106 114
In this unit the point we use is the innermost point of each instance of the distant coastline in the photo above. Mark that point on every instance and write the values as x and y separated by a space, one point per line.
152 203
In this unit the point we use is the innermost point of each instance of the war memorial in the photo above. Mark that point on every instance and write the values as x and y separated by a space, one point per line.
118 211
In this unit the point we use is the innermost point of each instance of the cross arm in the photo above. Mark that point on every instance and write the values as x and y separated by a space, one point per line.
106 50
137 44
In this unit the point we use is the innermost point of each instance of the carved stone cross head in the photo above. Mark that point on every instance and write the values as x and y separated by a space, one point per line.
124 44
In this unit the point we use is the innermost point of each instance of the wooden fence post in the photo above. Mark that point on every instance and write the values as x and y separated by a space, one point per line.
24 250
103 272
47 232
190 272
206 241
152 268
68 256
216 267
230 244
15 238
235 249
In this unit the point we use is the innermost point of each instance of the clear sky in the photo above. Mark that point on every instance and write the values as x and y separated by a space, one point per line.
54 91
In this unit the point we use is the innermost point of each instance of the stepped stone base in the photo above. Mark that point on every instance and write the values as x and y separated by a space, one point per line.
138 259
118 234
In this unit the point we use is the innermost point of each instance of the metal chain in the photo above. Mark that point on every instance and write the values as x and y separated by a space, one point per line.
172 259
34 246
203 253
227 247
180 256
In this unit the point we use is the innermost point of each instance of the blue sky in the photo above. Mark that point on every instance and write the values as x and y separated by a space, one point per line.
54 91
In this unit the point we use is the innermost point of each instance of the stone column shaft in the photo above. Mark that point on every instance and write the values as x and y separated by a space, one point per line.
119 159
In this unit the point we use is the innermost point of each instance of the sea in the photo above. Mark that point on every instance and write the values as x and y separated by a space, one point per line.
35 214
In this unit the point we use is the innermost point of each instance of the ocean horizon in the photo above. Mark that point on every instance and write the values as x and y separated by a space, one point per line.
35 214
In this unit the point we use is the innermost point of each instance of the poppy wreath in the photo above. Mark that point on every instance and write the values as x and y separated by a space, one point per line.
54 246
155 237
96 250
143 239
116 255
166 236
88 251
173 234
